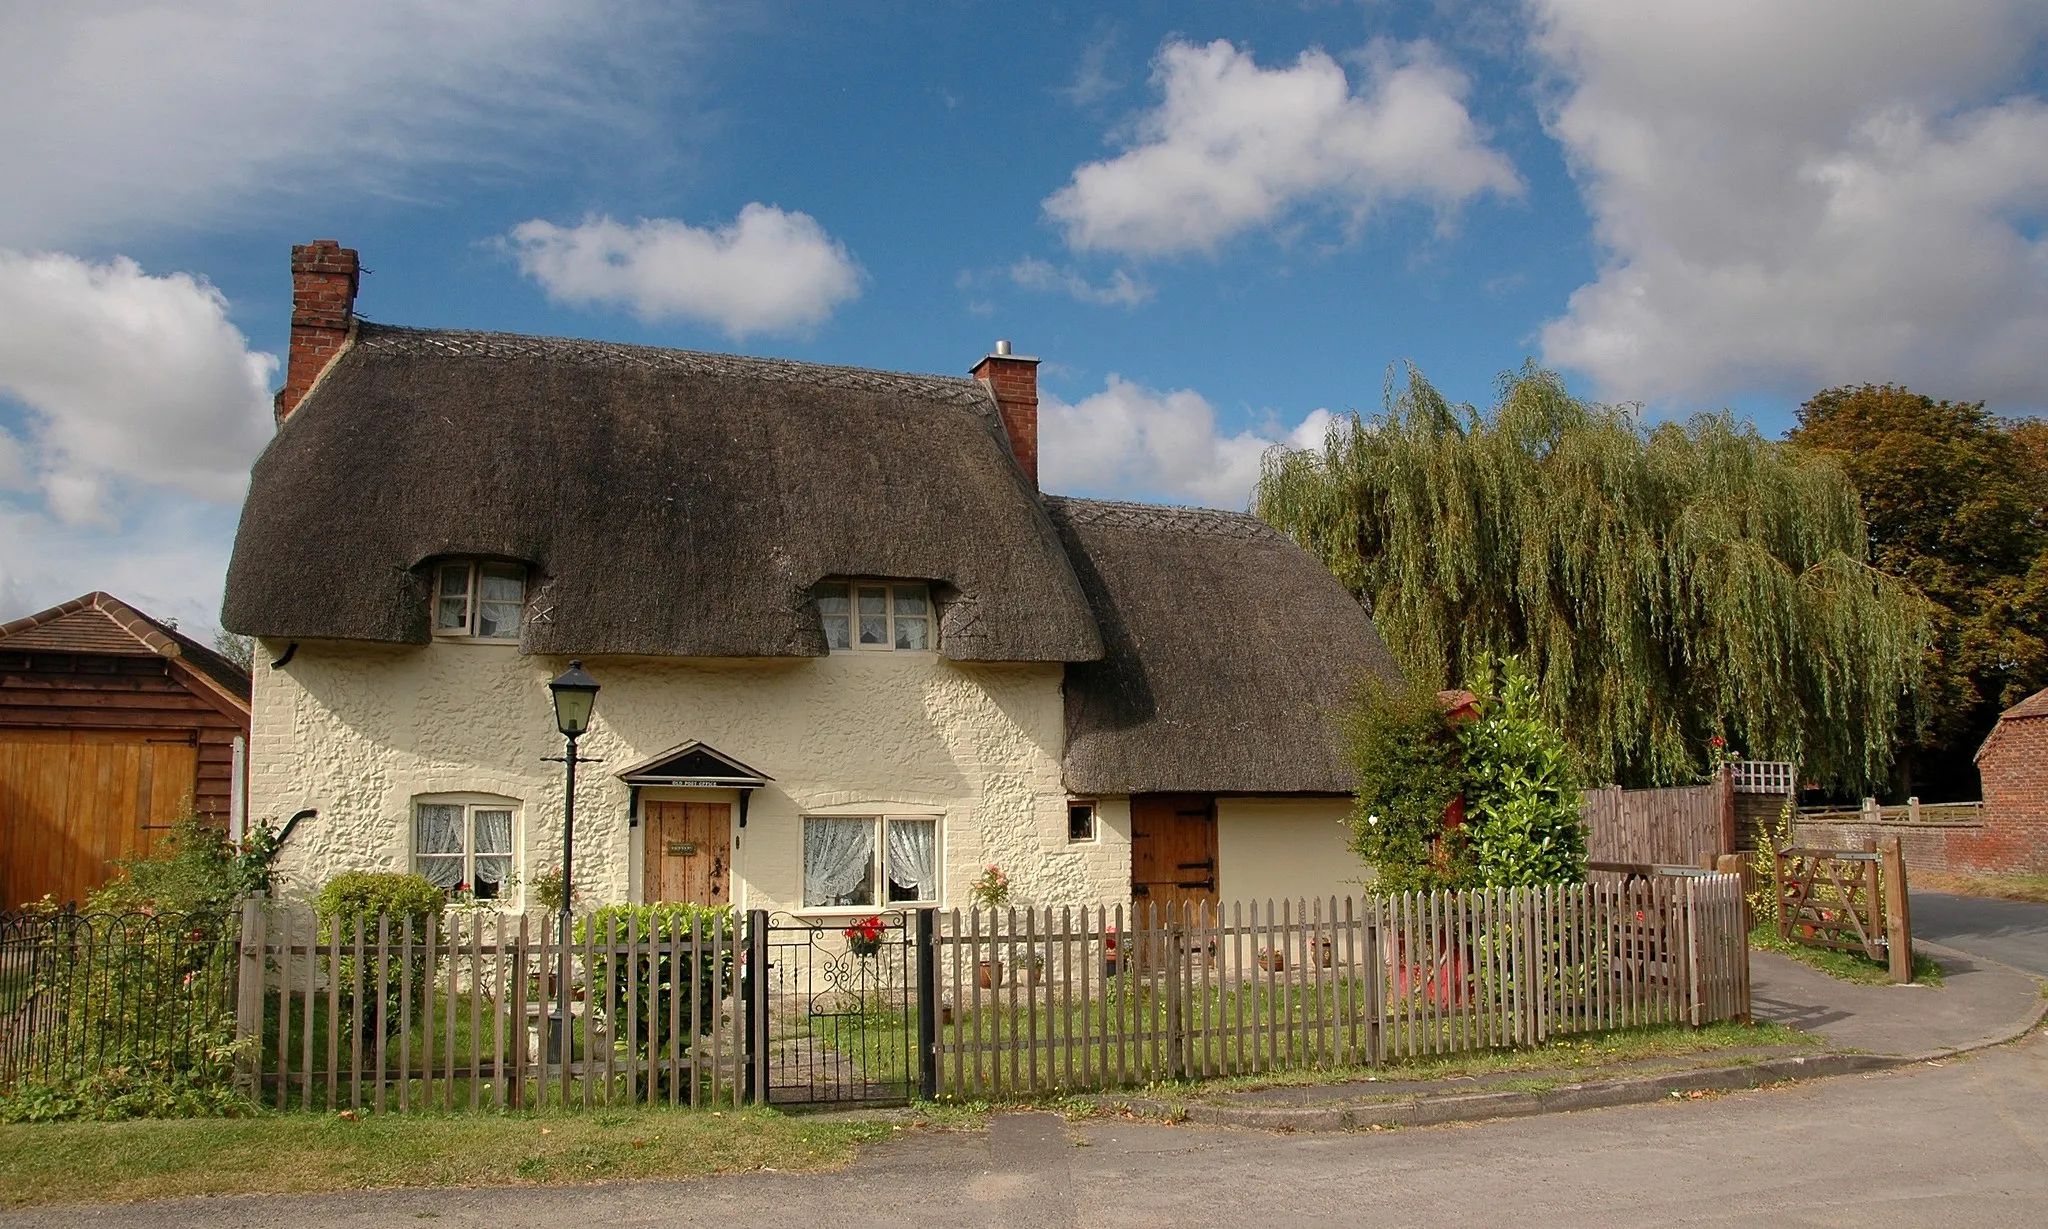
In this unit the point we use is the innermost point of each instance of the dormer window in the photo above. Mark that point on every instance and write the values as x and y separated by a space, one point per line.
476 599
863 614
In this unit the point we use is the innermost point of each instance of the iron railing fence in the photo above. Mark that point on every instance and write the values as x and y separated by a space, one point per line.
83 993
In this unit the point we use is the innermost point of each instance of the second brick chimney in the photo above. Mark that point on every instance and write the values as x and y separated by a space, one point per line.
1013 379
324 278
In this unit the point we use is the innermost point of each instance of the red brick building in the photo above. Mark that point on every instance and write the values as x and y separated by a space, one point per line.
2014 764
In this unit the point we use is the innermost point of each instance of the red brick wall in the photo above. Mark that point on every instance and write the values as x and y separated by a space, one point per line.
324 279
1014 381
2014 766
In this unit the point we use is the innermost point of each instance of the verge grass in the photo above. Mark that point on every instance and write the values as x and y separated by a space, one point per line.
1563 1057
1843 966
301 1153
1999 887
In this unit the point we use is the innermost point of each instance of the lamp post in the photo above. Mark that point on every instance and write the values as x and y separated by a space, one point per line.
575 694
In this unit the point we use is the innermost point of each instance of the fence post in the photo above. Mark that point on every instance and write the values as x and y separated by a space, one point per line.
1176 969
755 987
249 997
1695 1012
1898 915
927 1006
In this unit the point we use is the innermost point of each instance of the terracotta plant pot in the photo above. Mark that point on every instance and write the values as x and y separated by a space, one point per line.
1272 961
990 973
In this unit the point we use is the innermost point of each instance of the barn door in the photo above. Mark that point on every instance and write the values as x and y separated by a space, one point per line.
1173 849
72 801
688 855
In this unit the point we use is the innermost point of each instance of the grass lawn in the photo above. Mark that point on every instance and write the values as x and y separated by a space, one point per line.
1564 1059
304 1153
2001 887
1846 966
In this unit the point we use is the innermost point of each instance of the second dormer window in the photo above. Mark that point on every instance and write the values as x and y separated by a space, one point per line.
483 600
874 615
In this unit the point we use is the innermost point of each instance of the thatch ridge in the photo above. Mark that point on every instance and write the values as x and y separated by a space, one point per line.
1226 650
668 502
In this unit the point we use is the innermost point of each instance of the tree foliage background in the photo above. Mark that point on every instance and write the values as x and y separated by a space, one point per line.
1664 585
1956 500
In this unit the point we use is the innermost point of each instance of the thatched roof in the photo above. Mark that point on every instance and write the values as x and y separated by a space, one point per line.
1226 647
668 502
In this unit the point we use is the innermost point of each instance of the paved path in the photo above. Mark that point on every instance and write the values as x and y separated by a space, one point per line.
1964 1143
1979 1002
2014 931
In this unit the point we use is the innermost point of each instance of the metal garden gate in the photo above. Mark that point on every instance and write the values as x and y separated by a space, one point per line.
833 1008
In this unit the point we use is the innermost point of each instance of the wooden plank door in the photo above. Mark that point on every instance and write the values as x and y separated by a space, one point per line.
688 855
72 801
1173 849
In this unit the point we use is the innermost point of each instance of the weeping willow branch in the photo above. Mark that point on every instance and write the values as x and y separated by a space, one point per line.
1666 584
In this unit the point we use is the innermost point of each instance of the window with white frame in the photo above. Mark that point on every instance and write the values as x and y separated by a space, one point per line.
1080 822
478 599
865 614
464 844
870 860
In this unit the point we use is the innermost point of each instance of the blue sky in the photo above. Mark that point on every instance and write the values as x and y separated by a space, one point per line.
1215 222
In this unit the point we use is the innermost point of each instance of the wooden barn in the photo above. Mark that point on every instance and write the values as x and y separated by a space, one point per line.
111 724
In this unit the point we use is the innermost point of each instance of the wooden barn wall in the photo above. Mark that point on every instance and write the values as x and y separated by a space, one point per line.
71 692
98 756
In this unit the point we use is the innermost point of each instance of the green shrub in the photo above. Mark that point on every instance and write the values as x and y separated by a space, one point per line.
1405 757
659 981
197 870
1521 784
1518 777
369 895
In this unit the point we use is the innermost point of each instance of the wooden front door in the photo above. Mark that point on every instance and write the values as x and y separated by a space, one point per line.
1173 849
72 801
688 855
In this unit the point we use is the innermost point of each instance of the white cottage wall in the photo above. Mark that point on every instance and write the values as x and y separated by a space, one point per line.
359 731
1275 848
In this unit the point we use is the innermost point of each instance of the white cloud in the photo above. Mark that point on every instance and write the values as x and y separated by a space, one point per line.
1135 442
129 381
1233 146
767 272
168 560
1121 290
119 114
1794 195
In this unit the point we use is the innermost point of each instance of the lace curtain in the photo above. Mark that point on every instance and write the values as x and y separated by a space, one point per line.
911 850
493 851
839 862
437 842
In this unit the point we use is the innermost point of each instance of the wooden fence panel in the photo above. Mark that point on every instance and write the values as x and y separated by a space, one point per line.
1267 985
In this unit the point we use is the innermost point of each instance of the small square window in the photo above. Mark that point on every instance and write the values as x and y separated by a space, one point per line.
482 600
1080 822
876 616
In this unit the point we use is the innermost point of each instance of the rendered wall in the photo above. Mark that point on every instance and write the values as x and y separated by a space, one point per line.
1285 848
358 731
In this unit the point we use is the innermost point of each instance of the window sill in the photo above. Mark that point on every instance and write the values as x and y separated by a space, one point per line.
510 642
841 913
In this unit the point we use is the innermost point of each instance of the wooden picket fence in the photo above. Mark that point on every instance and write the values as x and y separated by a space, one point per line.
1040 1000
466 1012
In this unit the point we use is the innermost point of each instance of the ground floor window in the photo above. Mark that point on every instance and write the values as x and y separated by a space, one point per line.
1080 822
865 861
464 845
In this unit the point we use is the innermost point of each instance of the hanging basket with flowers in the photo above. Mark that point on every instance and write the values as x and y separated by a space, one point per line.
864 937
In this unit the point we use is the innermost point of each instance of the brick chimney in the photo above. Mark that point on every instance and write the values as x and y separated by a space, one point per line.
1013 379
324 277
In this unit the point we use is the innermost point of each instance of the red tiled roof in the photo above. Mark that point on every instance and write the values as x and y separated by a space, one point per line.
102 623
2035 705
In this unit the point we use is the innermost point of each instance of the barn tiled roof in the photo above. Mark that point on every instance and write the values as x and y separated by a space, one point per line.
2035 705
103 624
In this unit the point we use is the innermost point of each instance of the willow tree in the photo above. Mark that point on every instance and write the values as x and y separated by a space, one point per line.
1668 585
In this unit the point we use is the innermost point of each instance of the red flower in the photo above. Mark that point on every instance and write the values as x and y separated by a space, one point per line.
1716 741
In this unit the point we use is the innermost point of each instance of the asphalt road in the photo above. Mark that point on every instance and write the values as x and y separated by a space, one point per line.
1964 1143
2011 932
